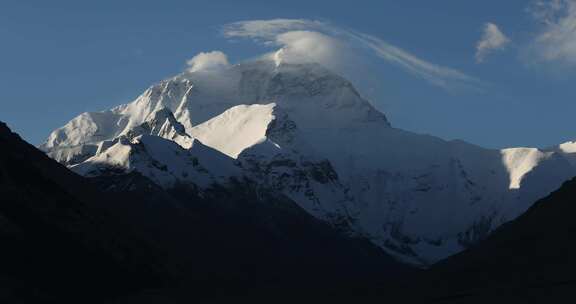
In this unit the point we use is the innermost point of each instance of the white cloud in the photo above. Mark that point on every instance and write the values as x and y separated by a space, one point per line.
556 42
326 44
309 46
492 40
208 61
300 40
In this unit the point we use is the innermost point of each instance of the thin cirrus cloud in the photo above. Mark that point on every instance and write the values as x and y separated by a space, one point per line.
493 39
312 40
556 40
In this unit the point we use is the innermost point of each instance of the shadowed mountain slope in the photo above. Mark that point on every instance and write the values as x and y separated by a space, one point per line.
69 238
531 258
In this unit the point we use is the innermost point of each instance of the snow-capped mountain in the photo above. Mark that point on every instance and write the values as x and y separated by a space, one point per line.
301 131
567 149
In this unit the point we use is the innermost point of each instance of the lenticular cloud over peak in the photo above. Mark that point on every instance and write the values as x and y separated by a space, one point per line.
303 40
309 46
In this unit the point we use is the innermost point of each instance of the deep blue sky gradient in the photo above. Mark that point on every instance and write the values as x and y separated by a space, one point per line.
61 58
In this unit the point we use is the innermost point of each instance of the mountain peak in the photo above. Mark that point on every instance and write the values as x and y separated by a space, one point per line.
304 131
162 123
180 104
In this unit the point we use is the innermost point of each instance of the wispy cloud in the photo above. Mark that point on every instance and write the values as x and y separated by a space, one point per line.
556 41
492 40
328 44
435 74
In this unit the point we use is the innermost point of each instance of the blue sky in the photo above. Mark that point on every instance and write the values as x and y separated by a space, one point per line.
61 58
